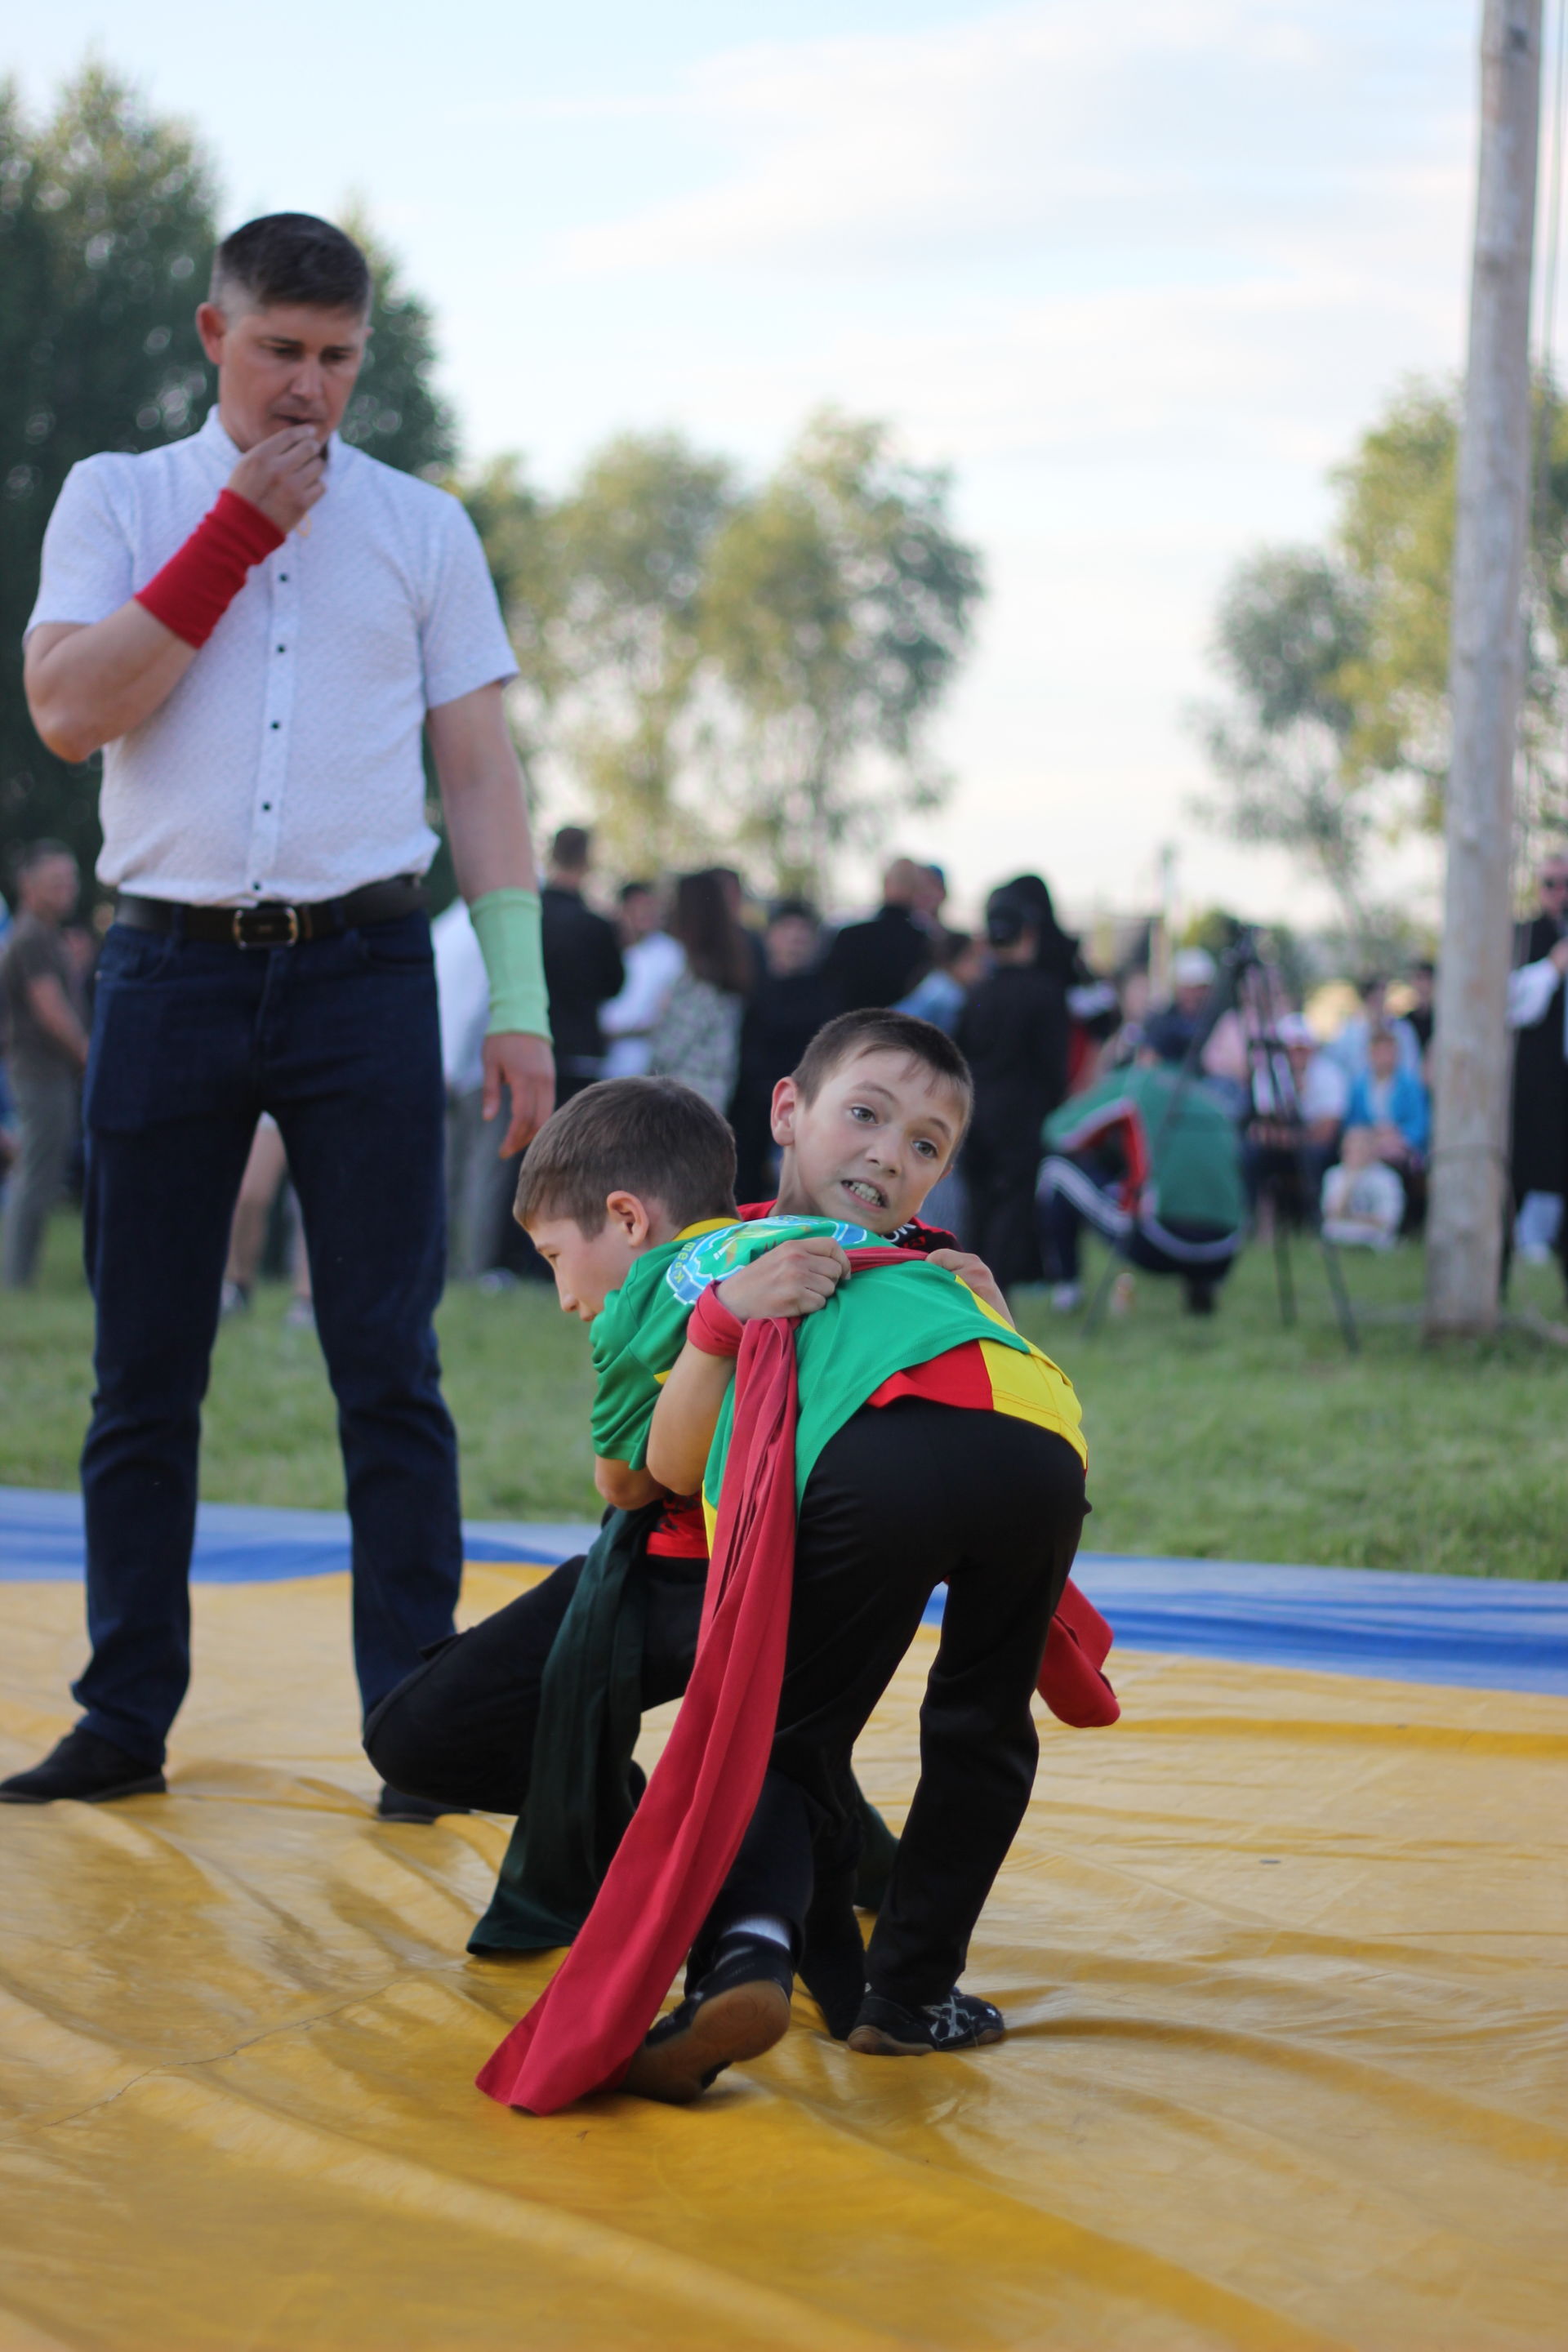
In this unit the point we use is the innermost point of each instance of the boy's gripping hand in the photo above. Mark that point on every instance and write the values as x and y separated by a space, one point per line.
974 1271
796 1278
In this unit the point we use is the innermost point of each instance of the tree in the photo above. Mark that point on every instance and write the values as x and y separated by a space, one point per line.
1339 656
106 236
708 668
395 414
1395 527
1291 627
634 543
836 608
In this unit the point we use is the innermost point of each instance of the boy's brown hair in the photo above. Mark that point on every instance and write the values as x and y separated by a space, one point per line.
652 1136
878 1030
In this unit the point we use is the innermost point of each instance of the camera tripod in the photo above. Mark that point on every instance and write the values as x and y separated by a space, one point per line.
1247 986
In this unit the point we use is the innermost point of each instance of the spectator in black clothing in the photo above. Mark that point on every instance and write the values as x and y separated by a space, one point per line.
931 897
583 970
789 1006
879 961
583 967
1014 1031
1538 1156
1055 952
1424 982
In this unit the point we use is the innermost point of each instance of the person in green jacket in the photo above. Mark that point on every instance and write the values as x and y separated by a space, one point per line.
1155 1164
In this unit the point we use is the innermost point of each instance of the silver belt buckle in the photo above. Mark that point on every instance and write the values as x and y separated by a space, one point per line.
270 918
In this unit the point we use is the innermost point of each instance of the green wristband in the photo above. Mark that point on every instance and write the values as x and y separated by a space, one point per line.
507 925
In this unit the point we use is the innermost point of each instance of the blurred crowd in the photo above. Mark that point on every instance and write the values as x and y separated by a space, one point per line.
1176 1105
684 977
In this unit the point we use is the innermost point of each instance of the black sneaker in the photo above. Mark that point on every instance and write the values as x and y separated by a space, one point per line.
397 1805
83 1766
884 2029
1197 1297
740 2009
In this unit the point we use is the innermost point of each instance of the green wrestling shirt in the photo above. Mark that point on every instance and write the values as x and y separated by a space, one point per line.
913 1330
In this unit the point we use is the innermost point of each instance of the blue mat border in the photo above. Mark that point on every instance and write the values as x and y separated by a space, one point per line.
1471 1632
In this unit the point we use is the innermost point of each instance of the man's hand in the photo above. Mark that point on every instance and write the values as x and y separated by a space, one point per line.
1559 957
974 1271
53 1011
282 475
796 1278
527 1066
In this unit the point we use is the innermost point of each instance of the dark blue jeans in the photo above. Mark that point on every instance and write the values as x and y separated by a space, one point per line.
338 1039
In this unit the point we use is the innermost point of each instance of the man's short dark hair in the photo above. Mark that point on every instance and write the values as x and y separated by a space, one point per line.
879 1030
571 849
292 258
652 1136
794 910
34 854
629 890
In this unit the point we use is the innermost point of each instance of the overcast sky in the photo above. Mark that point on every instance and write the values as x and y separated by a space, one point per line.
1139 275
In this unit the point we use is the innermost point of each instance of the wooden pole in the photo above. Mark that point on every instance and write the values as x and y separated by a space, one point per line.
1469 1185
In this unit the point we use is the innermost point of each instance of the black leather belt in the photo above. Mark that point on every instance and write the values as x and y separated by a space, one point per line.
271 924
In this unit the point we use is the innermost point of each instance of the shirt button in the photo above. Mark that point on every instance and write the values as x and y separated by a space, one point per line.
276 724
282 575
282 649
264 806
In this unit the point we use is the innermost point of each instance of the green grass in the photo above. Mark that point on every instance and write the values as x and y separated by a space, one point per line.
1233 1439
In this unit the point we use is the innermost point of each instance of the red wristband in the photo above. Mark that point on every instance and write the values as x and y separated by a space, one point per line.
198 585
712 1328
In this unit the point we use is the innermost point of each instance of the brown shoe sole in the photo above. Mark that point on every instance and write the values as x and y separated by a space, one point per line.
734 2025
872 2042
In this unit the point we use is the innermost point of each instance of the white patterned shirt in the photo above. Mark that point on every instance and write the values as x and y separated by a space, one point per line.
286 764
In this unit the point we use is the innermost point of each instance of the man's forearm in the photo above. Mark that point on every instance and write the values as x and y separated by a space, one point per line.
487 825
86 686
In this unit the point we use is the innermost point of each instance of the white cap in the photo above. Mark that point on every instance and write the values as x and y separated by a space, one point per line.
1193 968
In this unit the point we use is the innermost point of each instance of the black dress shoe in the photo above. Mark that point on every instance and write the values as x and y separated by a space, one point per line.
397 1805
87 1767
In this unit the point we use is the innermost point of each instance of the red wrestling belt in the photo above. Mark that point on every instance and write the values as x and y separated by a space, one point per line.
584 2030
197 586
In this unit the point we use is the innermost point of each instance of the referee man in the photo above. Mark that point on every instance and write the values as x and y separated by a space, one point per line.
256 623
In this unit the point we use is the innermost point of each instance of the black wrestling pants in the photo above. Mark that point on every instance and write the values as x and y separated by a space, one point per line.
460 1728
906 1496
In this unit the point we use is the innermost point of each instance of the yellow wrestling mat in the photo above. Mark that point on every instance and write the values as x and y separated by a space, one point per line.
1286 2066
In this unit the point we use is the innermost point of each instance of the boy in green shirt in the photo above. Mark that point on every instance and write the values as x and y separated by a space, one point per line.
620 1180
624 1195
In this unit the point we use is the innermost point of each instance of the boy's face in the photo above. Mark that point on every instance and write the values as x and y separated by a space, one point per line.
1384 1055
587 1267
870 1145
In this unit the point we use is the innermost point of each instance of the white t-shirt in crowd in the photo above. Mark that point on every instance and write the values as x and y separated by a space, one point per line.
1364 1206
286 764
463 996
1323 1089
653 965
